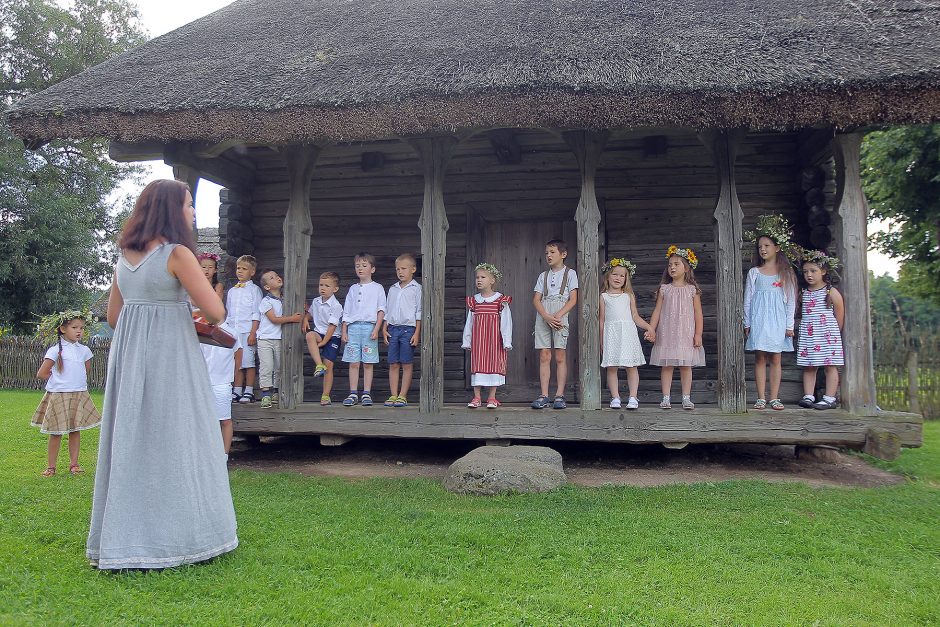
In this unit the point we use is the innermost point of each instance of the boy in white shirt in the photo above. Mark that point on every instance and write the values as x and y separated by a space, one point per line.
556 293
363 313
269 335
322 330
241 311
220 362
402 329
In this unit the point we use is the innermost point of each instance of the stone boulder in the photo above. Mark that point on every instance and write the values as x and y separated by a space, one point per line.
500 469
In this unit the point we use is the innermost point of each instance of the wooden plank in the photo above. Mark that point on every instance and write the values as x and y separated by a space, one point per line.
850 229
434 153
644 426
220 170
298 228
723 145
587 147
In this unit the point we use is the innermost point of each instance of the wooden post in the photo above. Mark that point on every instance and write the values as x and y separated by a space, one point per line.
189 176
732 392
587 147
298 228
851 234
434 153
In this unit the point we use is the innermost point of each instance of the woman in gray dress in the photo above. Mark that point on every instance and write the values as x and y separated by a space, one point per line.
162 494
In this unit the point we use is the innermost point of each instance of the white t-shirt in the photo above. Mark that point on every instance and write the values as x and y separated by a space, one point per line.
554 282
268 330
241 306
326 313
364 302
404 304
220 361
73 377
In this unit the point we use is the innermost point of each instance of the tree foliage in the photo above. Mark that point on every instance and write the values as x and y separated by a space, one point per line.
901 177
57 221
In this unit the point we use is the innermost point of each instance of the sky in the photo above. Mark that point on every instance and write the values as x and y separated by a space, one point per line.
162 16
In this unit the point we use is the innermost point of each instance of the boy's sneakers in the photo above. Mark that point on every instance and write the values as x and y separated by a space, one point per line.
319 371
266 402
541 402
247 397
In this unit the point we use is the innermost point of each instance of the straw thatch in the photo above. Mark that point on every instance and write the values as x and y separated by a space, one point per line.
294 70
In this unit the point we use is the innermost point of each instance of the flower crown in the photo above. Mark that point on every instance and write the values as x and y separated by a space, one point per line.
685 253
488 267
48 327
214 257
819 257
776 227
620 262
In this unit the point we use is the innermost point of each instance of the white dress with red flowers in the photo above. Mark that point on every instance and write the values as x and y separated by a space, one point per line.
820 338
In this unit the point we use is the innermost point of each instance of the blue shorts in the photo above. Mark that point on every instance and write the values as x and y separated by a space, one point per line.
330 350
400 350
359 346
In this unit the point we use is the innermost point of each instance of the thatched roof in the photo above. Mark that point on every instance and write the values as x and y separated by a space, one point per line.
292 70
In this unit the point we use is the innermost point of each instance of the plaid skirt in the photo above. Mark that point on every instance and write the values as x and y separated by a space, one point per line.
64 412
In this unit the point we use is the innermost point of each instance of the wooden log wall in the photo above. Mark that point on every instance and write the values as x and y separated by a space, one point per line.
653 188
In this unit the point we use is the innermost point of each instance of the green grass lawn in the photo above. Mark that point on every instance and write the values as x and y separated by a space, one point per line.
384 551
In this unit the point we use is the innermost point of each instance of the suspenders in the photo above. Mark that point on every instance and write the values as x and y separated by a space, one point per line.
564 283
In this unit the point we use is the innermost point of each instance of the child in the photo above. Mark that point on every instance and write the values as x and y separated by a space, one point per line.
487 334
618 322
820 329
209 262
556 293
402 330
66 406
321 327
269 335
769 305
242 315
363 313
676 325
220 362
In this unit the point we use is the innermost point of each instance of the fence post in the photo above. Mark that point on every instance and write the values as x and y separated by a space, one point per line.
913 386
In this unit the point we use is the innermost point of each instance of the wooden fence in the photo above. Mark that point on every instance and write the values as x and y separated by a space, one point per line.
20 358
907 366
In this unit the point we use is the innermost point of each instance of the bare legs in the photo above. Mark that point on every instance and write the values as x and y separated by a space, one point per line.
393 373
354 376
832 380
479 388
545 370
55 443
685 379
226 426
633 381
760 374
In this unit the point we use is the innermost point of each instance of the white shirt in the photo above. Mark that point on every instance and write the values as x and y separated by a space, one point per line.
220 361
73 377
363 303
505 322
554 282
268 330
324 313
241 306
404 304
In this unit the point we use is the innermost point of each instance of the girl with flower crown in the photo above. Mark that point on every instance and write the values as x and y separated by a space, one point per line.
66 406
618 322
487 334
769 305
677 324
820 329
209 262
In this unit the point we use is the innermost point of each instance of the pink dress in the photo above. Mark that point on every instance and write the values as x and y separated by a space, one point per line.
676 329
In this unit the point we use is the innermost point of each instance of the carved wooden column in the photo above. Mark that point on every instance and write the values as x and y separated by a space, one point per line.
298 227
587 147
189 176
434 152
851 234
732 391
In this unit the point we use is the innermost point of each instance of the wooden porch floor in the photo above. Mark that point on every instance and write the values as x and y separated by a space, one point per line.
647 425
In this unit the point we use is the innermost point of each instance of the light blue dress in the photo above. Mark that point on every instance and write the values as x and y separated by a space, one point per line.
162 494
768 316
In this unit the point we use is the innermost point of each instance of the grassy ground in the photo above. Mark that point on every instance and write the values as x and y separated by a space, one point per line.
405 552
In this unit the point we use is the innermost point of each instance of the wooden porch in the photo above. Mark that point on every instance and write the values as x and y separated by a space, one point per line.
647 425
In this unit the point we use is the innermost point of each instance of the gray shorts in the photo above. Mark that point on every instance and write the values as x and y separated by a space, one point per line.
545 336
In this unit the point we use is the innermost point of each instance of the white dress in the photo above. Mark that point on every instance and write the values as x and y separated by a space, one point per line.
621 338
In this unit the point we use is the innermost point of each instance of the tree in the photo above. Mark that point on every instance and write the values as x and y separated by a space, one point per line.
57 224
901 177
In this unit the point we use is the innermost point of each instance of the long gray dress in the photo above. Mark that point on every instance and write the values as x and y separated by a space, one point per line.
162 494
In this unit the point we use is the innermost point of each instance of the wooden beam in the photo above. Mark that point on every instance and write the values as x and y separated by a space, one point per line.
141 151
187 175
732 392
211 151
222 171
851 233
587 147
814 145
298 227
434 153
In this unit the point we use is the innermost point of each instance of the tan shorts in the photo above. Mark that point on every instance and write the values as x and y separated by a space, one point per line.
545 336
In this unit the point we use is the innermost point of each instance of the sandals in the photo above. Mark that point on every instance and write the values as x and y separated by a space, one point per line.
687 403
235 397
319 371
492 403
541 402
247 397
666 403
760 404
390 402
824 404
474 402
351 400
776 404
559 403
325 400
401 401
48 472
75 469
806 402
365 400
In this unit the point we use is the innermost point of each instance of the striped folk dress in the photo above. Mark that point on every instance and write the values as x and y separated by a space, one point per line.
487 345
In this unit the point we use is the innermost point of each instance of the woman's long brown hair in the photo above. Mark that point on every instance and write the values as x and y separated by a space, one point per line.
158 213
